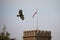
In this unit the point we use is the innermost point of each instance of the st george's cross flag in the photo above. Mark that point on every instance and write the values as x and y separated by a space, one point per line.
34 14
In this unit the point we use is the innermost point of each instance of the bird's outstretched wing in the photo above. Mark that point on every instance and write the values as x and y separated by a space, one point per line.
21 15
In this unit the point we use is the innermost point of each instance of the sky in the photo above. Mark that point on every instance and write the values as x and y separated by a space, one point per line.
48 17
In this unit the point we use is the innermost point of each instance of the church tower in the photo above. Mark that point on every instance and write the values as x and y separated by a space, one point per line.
36 35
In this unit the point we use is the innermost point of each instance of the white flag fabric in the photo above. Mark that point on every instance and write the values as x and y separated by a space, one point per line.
34 14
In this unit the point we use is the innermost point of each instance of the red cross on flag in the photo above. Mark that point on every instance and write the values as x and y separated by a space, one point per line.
34 14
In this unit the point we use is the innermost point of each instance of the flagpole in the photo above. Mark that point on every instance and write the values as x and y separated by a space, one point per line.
36 12
37 20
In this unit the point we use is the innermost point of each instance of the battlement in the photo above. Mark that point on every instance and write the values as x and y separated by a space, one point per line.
36 33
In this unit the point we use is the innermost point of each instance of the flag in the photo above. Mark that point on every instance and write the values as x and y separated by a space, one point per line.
34 14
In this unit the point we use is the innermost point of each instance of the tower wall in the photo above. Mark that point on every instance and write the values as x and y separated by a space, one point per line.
37 35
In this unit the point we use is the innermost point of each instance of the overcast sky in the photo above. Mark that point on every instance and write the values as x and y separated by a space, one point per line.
48 16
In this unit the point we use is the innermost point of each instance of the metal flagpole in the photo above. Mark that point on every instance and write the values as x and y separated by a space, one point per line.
37 20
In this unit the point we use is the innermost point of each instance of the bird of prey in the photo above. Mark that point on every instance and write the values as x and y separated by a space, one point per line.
21 15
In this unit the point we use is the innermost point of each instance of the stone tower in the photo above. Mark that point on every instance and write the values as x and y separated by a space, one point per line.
36 35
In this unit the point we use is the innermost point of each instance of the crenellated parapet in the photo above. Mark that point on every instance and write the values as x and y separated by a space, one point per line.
37 33
44 33
29 33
